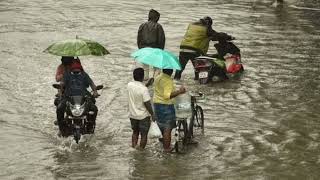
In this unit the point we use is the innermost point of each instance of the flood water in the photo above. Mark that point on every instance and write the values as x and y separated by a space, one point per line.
264 125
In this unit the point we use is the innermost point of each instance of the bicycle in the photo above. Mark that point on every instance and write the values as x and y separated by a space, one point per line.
184 133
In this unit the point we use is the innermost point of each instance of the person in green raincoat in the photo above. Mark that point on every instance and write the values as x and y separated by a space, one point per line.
196 42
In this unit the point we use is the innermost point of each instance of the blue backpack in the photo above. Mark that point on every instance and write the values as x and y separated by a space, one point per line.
77 84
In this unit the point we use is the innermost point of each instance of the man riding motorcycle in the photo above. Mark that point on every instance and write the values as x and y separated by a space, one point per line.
75 83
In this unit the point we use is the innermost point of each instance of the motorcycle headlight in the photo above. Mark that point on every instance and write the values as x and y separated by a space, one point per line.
77 110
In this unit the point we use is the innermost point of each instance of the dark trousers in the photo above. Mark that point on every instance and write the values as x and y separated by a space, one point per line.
184 57
61 108
94 108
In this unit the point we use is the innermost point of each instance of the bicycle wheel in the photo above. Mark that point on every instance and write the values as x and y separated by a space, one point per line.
181 142
191 125
199 117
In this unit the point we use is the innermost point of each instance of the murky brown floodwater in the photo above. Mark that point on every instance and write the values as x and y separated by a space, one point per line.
264 125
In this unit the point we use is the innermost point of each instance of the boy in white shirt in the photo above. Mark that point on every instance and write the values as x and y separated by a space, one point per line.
140 109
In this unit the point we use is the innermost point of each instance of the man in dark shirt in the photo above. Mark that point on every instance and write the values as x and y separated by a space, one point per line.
224 46
151 34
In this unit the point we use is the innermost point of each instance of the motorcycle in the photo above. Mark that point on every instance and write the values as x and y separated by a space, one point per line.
217 65
77 119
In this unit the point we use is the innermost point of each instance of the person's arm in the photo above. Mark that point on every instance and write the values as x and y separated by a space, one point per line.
63 83
93 86
59 73
150 82
169 91
221 35
146 101
161 37
177 92
150 110
212 34
139 36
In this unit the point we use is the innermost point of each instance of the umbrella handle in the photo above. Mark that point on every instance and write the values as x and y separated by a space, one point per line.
154 72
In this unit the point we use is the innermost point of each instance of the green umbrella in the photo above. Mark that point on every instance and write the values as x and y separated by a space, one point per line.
76 47
157 58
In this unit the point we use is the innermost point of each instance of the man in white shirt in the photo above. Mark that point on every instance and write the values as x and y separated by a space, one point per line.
140 109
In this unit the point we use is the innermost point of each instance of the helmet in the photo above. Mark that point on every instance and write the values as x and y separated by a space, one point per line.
207 20
76 66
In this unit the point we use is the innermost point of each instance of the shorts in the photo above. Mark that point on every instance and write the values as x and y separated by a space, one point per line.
166 116
142 126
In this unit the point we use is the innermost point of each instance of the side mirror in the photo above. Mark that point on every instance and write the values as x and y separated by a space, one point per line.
99 87
56 86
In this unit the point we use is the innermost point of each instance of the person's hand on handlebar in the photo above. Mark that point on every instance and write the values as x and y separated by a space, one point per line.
95 94
182 90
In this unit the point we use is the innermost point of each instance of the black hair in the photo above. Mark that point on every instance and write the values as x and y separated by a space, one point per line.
138 74
66 60
206 21
168 71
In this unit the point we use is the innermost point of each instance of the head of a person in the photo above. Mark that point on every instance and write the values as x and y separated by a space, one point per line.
138 74
76 67
66 60
167 71
206 21
153 15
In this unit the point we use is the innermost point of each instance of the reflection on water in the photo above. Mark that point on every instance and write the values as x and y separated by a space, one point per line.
262 125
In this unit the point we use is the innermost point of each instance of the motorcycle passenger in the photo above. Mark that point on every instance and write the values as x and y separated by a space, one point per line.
196 42
76 83
62 69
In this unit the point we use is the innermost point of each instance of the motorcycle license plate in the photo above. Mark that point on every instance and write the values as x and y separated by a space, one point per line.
203 74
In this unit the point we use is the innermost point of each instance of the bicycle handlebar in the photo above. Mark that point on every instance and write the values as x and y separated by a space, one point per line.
196 94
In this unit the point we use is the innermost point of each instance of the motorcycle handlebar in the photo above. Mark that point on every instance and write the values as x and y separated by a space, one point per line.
99 87
58 86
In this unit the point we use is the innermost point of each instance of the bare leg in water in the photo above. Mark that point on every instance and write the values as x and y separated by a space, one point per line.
167 140
135 136
143 141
